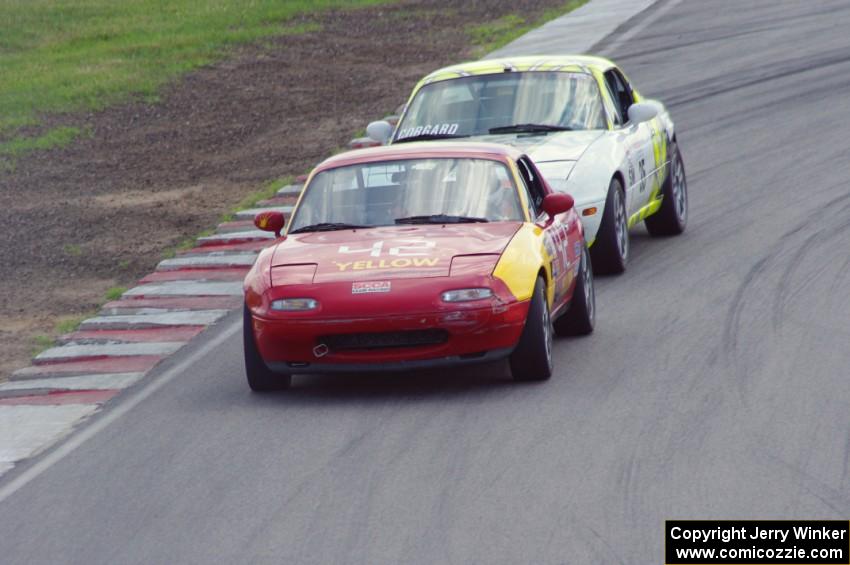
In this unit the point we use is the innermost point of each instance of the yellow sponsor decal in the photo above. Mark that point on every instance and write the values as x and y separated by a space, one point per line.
645 212
386 264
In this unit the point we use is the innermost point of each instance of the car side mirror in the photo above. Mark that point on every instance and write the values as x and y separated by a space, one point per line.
640 112
271 220
380 131
557 203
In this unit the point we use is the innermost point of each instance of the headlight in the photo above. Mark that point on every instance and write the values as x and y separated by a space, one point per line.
295 304
466 294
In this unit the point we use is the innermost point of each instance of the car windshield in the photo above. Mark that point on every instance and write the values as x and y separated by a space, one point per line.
443 190
475 105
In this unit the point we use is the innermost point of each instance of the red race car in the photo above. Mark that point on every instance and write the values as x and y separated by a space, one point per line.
417 256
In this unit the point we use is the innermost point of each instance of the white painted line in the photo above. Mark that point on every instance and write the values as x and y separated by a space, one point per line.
140 321
243 235
72 351
107 381
111 415
27 430
212 259
187 288
249 213
575 32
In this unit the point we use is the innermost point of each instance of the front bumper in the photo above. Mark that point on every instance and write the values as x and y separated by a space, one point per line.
473 335
394 367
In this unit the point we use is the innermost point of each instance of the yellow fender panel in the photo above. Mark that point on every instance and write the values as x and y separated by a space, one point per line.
521 261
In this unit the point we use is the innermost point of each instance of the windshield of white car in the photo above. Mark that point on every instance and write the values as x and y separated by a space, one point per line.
477 105
386 193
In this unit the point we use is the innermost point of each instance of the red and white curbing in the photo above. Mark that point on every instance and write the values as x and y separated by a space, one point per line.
128 337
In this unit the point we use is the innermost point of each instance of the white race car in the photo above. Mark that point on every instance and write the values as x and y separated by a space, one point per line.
589 131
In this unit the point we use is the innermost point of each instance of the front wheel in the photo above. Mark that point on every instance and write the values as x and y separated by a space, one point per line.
581 316
672 217
610 251
532 358
260 377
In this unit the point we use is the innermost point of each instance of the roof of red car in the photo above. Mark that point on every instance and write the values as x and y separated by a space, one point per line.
422 150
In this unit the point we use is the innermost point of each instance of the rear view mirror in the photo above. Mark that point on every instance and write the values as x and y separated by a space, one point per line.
640 112
271 220
380 131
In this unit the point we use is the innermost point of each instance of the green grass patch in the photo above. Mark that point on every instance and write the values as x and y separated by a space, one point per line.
86 54
268 190
494 34
68 324
115 293
41 343
55 137
72 250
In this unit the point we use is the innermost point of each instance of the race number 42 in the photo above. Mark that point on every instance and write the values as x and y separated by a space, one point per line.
411 248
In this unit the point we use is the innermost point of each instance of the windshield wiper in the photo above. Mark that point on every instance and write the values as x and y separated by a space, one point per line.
329 226
430 136
440 219
528 128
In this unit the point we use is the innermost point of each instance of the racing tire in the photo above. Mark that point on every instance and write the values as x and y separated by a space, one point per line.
580 318
672 217
531 360
260 377
610 251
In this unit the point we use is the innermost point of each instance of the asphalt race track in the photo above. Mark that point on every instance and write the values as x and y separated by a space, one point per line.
717 384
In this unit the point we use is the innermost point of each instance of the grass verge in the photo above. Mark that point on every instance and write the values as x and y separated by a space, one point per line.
64 325
84 55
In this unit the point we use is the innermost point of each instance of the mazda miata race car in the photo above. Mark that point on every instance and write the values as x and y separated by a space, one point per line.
417 256
589 131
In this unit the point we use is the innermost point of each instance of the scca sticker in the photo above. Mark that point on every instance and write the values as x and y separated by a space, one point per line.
430 129
370 287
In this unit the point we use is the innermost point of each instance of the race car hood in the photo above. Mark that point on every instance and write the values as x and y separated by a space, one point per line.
542 148
391 252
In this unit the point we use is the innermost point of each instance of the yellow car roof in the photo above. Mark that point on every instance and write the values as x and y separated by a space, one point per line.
575 63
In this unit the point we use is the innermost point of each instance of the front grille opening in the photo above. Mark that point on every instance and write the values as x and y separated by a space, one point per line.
384 340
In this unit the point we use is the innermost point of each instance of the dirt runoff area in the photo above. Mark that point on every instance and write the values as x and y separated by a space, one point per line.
77 221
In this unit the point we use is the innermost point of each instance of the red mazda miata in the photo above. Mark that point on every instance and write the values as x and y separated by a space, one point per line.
418 256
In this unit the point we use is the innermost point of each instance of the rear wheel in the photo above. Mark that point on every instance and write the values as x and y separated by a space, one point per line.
260 377
581 316
672 217
610 251
532 358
